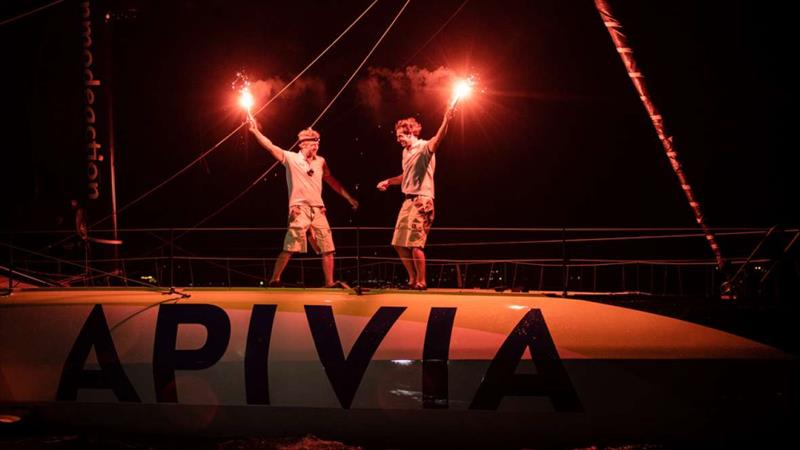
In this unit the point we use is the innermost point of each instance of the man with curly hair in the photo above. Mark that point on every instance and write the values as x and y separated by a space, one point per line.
416 215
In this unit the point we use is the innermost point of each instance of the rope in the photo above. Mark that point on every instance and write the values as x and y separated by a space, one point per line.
527 261
735 276
399 13
15 18
725 231
446 22
745 232
319 117
64 261
573 240
215 146
233 200
560 241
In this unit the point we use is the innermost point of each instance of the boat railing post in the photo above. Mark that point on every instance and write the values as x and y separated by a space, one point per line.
124 272
191 271
652 280
624 284
302 273
564 266
638 290
171 258
541 277
10 263
514 279
358 257
87 280
228 270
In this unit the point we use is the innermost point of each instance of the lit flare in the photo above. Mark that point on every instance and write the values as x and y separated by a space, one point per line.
246 100
462 89
241 84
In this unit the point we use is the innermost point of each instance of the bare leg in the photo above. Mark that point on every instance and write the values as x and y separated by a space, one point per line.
419 265
280 264
408 263
327 268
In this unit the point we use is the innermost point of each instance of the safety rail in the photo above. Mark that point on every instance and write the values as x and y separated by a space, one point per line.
646 261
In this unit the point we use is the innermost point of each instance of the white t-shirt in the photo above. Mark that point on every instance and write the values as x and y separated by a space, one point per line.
304 189
419 163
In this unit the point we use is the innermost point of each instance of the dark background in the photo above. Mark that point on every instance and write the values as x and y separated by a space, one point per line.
557 138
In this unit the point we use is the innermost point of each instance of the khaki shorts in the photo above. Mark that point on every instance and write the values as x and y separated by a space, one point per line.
308 221
413 222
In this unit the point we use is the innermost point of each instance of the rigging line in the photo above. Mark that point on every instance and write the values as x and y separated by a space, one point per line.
318 57
33 11
735 260
727 231
539 241
319 117
452 16
193 256
217 145
372 50
735 276
779 258
101 272
132 315
571 240
214 214
207 152
233 200
558 241
27 275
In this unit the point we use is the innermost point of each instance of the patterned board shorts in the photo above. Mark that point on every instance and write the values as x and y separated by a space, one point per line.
308 221
413 222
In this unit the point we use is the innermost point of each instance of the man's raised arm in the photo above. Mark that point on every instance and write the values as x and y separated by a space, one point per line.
265 142
433 143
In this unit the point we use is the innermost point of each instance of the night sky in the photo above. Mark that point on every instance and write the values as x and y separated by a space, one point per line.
556 137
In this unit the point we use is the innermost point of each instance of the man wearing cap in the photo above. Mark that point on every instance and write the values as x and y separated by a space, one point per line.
416 215
305 172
